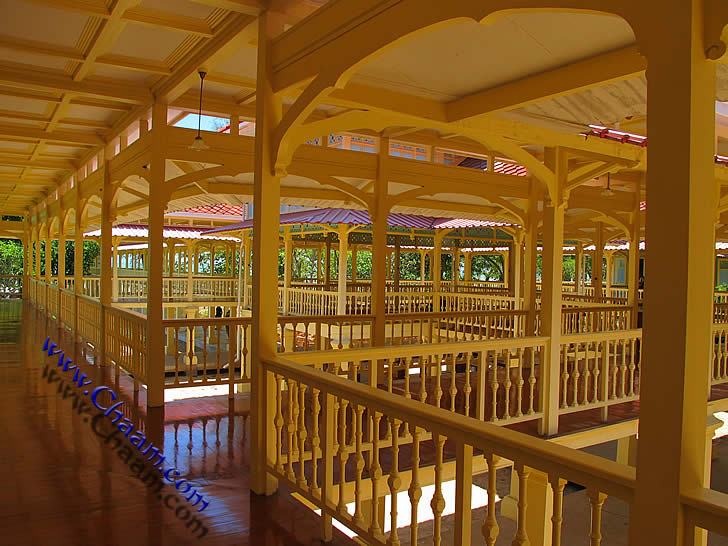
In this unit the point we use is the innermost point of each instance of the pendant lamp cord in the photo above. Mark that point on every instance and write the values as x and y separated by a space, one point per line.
199 110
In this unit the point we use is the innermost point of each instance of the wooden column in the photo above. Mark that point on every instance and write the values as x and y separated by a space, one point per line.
246 270
48 255
266 199
597 262
379 216
327 262
106 278
397 269
61 252
552 267
157 206
609 257
579 268
678 306
529 258
516 262
115 269
354 250
343 233
633 260
423 254
436 270
287 266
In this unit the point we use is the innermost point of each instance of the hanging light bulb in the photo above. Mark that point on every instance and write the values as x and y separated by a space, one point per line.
199 144
607 192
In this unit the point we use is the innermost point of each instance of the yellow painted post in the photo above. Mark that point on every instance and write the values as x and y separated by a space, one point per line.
287 267
609 258
327 262
155 249
379 216
540 500
105 280
266 199
552 266
354 250
343 234
61 254
423 256
515 283
529 259
77 261
246 272
579 268
633 261
627 450
436 269
48 255
396 270
678 305
115 269
37 253
191 262
468 269
597 262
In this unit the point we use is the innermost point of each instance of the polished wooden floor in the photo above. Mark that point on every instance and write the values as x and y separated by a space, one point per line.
64 487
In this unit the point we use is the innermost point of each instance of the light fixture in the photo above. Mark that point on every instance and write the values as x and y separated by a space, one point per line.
607 192
199 144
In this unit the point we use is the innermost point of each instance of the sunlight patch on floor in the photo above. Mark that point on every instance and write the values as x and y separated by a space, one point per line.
479 498
195 392
723 429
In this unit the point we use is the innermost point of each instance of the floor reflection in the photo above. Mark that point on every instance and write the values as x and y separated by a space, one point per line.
67 488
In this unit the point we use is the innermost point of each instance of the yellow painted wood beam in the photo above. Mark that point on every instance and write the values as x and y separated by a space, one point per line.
53 80
597 70
74 137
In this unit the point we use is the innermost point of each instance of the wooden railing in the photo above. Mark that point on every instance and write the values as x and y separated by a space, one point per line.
126 341
68 309
492 380
720 354
415 328
321 424
599 369
89 319
595 319
11 286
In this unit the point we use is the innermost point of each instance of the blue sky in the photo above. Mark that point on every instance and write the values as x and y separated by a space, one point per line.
208 122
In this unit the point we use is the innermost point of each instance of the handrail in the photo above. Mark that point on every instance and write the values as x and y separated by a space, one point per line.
707 509
609 477
403 351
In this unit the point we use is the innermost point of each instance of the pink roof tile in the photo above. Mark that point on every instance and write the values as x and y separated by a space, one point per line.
361 218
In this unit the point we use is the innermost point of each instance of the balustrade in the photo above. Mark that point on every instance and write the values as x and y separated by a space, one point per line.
492 380
345 447
595 319
599 369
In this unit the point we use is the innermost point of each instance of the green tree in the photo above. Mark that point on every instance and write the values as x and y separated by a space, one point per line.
11 257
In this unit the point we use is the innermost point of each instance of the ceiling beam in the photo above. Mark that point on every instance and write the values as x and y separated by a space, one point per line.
39 163
25 132
139 14
53 80
577 76
224 44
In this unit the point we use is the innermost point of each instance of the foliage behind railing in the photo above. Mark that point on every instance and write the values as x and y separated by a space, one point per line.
11 286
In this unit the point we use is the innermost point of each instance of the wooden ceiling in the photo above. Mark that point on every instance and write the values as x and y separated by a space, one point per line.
74 72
